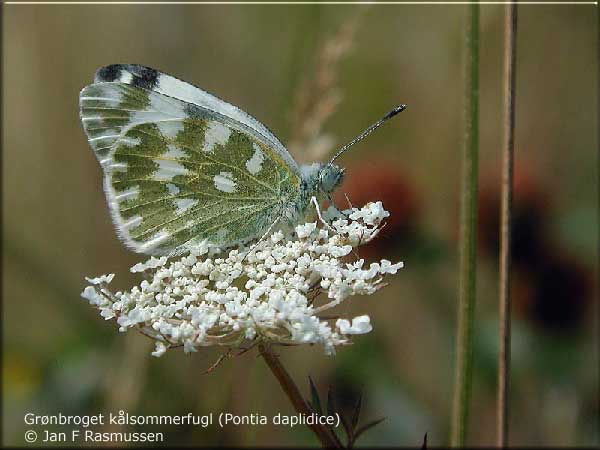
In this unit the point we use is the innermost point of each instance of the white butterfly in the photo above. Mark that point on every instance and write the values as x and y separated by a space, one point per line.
182 166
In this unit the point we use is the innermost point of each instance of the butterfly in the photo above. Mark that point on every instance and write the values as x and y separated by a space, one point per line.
182 166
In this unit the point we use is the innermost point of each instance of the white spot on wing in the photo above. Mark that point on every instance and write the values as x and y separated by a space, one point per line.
117 167
173 151
170 128
132 223
216 133
160 111
179 89
156 240
107 93
130 142
143 116
224 182
126 77
106 162
108 134
184 203
96 99
168 169
128 194
167 108
254 164
173 190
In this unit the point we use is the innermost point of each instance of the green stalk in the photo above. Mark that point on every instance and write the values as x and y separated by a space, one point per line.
468 234
510 51
322 433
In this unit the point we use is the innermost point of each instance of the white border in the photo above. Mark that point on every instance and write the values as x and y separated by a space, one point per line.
521 2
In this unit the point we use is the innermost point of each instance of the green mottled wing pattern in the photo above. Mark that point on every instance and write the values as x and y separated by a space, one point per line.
175 175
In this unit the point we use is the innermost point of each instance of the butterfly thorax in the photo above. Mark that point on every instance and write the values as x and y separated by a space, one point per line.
321 179
330 177
317 180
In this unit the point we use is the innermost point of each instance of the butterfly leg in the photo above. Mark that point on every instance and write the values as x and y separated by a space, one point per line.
341 211
314 201
350 205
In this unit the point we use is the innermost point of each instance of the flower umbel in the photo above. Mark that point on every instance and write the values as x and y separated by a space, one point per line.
235 298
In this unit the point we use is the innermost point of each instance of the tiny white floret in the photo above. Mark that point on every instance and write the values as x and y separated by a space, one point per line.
360 325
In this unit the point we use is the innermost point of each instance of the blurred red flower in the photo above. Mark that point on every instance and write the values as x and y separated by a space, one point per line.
531 208
551 289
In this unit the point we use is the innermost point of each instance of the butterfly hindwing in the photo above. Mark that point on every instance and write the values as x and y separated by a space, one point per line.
173 184
176 173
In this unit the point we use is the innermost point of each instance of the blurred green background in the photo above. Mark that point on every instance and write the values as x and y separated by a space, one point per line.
343 67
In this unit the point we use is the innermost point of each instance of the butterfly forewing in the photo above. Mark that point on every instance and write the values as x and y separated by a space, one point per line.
152 80
177 174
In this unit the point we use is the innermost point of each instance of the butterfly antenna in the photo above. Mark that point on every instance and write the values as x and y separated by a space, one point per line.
368 131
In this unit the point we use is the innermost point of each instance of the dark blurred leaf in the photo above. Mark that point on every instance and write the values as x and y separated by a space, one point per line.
368 426
356 414
316 401
424 446
330 402
347 429
332 411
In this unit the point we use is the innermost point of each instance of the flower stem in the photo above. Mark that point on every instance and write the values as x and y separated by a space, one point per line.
510 50
293 393
468 234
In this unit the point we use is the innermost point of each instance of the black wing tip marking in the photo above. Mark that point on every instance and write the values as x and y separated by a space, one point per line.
146 78
108 73
143 77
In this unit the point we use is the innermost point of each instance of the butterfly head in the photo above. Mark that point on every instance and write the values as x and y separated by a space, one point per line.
330 177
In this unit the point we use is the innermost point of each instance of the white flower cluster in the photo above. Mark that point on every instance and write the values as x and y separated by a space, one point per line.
235 298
